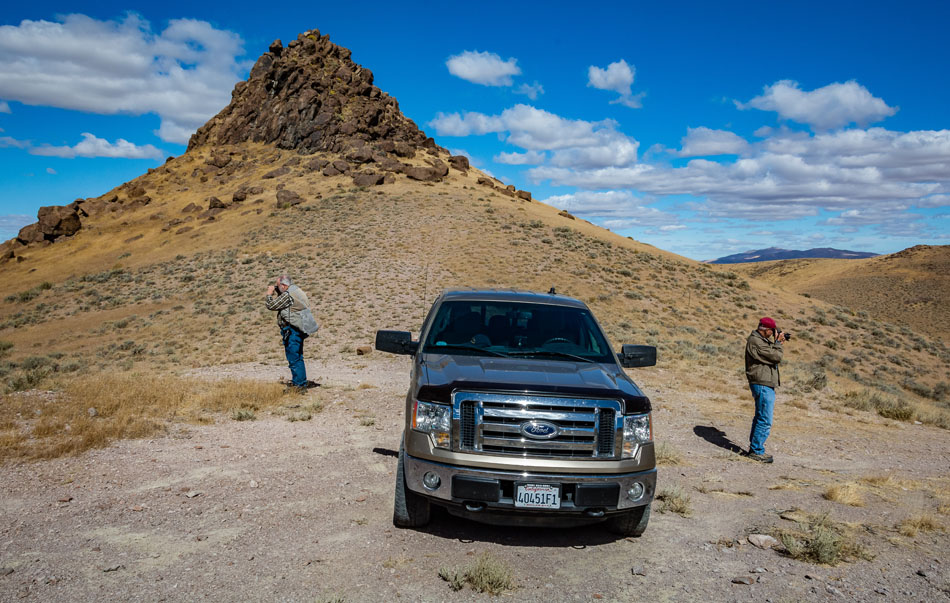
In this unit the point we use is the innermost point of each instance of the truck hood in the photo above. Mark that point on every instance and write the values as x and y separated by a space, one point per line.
444 373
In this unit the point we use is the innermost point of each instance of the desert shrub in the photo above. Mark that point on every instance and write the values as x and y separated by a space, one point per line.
666 454
5 347
819 540
487 575
674 500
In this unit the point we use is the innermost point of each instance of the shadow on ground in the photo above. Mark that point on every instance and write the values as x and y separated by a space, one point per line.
717 437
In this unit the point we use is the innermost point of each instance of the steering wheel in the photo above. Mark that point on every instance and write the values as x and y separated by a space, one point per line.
557 340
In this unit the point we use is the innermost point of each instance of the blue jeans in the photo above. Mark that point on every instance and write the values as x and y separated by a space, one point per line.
293 348
762 423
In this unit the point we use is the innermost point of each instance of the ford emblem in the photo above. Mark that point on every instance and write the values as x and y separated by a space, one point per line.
539 430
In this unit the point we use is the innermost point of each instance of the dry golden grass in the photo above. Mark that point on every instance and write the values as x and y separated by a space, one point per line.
96 410
667 454
820 540
846 494
912 526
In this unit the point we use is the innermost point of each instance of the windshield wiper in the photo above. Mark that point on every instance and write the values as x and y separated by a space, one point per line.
459 346
550 353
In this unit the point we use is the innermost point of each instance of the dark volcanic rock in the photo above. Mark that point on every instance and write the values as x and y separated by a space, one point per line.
425 174
368 179
287 198
310 96
459 162
281 171
215 203
56 221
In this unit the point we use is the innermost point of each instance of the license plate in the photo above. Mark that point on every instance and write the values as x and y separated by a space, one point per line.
538 496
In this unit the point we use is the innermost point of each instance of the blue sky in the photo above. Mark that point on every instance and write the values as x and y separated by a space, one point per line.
702 128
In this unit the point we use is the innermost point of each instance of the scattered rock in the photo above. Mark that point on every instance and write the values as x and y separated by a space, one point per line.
743 580
253 484
6 571
288 198
133 239
190 208
368 179
763 541
219 160
281 171
66 499
523 195
192 494
638 571
215 203
423 174
759 570
183 230
459 162
362 154
564 213
113 568
364 350
486 182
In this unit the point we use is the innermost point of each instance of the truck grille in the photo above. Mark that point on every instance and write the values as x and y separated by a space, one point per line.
575 428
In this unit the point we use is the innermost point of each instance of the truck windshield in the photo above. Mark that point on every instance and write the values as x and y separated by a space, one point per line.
496 328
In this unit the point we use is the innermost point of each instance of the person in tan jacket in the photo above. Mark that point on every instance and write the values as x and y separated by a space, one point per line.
763 353
296 322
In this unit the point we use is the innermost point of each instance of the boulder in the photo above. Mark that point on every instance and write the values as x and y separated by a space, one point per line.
219 160
215 203
281 171
424 174
56 221
404 150
441 169
341 166
523 195
329 170
190 208
368 179
565 214
136 190
316 164
459 162
364 350
361 154
486 182
288 198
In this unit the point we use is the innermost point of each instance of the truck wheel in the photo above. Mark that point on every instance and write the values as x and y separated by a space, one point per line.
630 523
409 510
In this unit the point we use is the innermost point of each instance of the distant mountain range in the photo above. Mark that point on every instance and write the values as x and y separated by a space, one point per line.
774 253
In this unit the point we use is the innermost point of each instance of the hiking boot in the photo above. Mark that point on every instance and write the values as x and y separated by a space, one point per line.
762 458
311 384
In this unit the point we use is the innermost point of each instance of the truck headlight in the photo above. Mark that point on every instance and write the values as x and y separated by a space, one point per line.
433 419
637 429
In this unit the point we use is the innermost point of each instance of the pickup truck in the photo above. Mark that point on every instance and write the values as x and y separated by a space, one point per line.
520 413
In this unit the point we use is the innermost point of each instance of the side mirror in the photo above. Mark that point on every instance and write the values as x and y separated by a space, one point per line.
396 342
633 356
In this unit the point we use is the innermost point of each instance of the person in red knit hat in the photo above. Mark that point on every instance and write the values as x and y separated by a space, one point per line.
763 353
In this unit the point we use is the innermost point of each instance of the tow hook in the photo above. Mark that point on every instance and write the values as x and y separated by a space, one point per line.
595 512
474 507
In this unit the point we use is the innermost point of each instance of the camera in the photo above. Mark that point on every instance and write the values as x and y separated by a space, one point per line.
788 336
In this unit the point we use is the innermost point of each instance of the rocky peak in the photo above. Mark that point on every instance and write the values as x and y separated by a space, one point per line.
310 96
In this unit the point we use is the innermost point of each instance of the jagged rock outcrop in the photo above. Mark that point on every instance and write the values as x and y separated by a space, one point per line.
310 96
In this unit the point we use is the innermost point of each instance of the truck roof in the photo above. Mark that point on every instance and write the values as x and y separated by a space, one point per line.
511 295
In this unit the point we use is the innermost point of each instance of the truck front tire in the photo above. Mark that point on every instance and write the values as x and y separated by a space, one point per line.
409 509
630 523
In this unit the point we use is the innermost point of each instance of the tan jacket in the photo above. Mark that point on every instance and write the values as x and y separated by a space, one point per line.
761 360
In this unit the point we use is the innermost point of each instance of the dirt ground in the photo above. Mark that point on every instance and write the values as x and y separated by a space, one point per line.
275 510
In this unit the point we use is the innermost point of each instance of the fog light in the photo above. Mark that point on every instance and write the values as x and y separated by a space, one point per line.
635 492
432 481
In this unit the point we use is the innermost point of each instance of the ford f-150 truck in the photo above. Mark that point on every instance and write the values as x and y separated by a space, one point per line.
520 413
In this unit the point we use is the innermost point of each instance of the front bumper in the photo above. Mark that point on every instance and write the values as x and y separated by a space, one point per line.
591 495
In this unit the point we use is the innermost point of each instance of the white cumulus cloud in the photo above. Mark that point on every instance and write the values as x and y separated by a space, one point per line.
51 171
704 141
91 146
829 107
184 74
485 68
530 90
617 77
529 158
616 210
576 143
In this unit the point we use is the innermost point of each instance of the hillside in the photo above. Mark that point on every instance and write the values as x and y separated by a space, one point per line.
909 288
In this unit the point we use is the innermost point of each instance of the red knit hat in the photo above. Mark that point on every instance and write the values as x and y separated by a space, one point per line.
767 322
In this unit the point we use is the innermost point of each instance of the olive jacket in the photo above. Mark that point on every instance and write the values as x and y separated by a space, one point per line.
762 358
